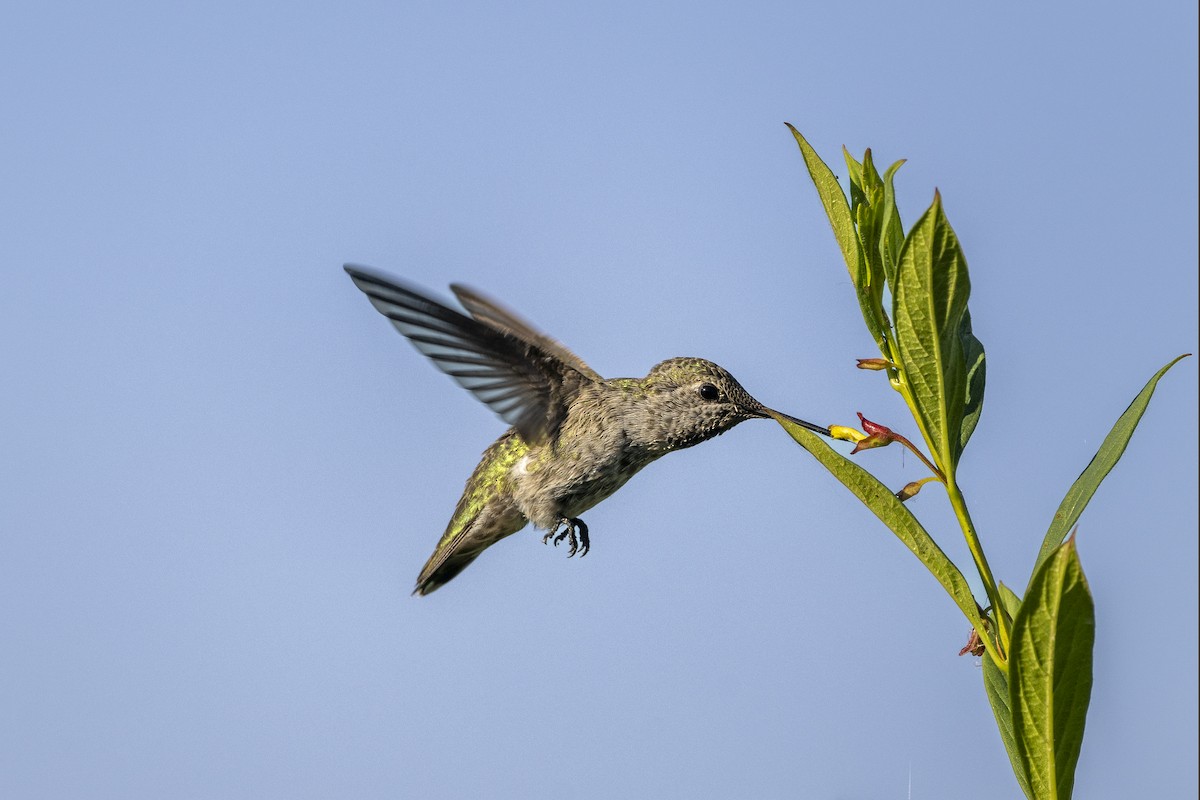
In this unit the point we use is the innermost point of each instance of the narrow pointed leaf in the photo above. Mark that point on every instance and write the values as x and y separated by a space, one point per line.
891 232
883 504
1050 673
854 171
1111 449
836 208
868 214
841 218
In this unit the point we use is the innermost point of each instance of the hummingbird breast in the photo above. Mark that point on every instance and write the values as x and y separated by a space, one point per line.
596 451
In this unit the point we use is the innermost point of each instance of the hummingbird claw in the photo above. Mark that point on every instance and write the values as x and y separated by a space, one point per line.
575 532
585 543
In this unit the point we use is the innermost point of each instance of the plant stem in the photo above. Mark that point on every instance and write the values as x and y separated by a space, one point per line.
985 572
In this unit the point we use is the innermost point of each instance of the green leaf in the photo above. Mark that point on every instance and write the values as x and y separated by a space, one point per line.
867 195
1101 464
930 307
995 684
841 218
1010 600
891 232
883 504
855 173
1050 673
976 364
870 221
836 207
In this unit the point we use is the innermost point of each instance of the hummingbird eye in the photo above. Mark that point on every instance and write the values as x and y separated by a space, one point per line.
709 392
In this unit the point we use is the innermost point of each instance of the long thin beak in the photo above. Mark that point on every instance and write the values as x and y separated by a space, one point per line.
780 415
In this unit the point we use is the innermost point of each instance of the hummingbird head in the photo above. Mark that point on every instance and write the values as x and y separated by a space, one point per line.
693 400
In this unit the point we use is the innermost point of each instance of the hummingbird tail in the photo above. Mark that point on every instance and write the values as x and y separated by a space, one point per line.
434 575
465 538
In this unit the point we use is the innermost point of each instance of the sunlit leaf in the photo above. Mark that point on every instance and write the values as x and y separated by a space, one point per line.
930 304
841 218
869 217
1101 464
1050 673
891 232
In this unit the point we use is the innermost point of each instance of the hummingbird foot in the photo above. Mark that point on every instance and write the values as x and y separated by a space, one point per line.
574 531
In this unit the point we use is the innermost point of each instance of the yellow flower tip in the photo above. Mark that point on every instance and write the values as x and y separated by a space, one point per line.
846 434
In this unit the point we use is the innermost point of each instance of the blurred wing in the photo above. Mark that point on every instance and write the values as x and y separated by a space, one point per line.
489 312
527 385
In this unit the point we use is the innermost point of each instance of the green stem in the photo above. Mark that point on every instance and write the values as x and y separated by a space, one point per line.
985 572
997 648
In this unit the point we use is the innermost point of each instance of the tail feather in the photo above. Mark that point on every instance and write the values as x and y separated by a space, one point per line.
434 575
458 548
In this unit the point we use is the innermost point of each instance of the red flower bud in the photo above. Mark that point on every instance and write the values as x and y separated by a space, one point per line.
870 442
874 428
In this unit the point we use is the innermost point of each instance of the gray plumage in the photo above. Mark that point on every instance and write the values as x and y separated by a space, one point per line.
576 437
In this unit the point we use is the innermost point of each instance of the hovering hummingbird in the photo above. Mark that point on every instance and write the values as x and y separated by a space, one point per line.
576 437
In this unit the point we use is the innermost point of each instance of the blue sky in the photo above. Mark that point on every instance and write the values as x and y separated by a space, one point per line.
222 469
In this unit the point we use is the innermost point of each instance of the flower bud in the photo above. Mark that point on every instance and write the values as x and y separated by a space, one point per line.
874 363
871 442
877 435
874 428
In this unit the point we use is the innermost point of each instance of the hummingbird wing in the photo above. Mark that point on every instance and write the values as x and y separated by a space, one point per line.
490 312
526 383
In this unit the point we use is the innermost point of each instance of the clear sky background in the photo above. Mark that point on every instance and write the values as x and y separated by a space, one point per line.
221 469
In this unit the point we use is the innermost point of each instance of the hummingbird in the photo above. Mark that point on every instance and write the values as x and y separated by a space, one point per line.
575 436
